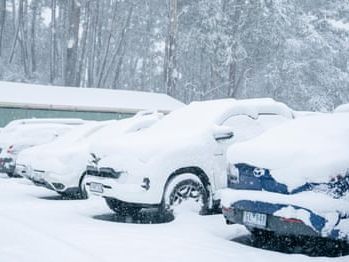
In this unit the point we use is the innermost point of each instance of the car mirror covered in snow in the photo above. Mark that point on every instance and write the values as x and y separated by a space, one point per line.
222 133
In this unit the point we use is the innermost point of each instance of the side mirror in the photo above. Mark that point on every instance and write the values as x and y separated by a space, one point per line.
222 133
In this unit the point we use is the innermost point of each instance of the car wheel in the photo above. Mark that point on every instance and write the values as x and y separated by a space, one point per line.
261 237
185 191
122 208
10 175
82 194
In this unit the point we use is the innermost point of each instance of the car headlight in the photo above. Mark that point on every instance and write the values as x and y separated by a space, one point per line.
233 174
338 187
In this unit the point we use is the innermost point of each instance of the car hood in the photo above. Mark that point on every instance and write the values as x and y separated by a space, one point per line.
55 159
146 148
312 149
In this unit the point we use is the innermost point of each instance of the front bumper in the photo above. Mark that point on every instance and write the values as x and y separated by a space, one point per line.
45 179
122 187
308 224
7 165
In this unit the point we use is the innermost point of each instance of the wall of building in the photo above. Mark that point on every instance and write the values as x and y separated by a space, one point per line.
9 114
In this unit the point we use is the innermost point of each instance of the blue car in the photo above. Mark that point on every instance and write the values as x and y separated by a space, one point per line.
293 180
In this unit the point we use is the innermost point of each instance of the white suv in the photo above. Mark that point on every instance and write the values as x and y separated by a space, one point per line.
182 158
60 165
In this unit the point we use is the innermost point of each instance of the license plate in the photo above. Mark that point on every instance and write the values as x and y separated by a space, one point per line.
96 187
254 219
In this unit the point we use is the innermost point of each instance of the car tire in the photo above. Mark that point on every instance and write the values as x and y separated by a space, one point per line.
185 187
260 237
82 194
11 175
121 208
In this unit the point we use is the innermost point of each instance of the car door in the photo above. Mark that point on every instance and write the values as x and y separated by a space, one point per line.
244 128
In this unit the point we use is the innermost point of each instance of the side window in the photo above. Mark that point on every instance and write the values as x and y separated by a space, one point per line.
270 121
244 127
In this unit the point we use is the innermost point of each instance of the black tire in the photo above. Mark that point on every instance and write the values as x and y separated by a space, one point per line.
184 187
261 237
79 192
82 194
122 208
11 175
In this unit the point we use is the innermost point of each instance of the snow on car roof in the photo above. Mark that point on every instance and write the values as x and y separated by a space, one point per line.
84 99
30 130
216 111
64 121
308 149
32 134
342 108
222 108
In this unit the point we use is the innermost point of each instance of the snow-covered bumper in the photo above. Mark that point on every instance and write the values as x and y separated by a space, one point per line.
106 182
286 217
47 179
7 165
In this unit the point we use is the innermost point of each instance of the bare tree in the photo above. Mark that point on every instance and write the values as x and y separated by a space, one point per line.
34 10
119 51
53 42
83 43
103 63
170 62
92 46
2 21
72 43
20 37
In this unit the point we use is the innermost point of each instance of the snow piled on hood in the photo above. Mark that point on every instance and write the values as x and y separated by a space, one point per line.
191 125
310 149
31 135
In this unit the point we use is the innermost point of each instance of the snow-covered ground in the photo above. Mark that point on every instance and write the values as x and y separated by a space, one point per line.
36 225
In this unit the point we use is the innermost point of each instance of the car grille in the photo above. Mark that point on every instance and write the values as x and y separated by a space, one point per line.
103 172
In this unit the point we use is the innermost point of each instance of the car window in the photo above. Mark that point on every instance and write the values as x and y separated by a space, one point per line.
244 127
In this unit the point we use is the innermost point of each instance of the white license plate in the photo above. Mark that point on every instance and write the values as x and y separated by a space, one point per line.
254 219
96 187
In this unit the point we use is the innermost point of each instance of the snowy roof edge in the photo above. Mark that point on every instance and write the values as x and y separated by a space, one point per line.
74 108
23 95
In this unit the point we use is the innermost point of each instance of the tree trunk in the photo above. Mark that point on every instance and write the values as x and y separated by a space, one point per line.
34 8
24 35
53 42
14 23
92 49
83 44
2 21
106 53
170 69
14 43
118 51
72 44
19 36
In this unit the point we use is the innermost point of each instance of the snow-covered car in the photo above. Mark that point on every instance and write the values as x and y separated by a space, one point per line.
60 165
292 180
25 133
182 157
342 108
